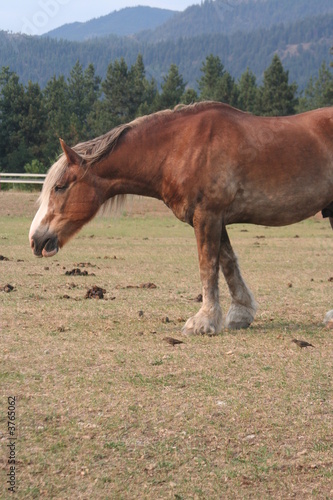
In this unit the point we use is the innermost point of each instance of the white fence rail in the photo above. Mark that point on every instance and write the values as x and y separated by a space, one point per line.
8 178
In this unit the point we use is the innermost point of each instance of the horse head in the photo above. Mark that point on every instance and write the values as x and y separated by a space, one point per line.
69 199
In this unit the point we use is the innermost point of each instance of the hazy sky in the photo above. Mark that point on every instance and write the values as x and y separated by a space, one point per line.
35 17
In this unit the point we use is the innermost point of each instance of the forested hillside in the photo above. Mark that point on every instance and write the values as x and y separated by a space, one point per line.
124 22
210 17
228 17
302 46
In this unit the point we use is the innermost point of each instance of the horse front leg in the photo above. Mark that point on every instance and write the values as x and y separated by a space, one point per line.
243 306
208 320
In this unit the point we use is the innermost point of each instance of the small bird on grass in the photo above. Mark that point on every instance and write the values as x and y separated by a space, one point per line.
172 341
302 343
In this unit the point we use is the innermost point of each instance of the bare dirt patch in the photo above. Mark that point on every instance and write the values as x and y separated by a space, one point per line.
95 292
76 272
7 288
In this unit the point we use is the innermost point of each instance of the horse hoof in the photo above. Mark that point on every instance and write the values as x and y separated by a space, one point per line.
239 318
202 325
188 332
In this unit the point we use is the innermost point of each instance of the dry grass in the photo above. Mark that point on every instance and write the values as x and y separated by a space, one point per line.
107 409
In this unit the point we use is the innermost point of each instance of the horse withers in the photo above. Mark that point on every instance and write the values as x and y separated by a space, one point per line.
212 165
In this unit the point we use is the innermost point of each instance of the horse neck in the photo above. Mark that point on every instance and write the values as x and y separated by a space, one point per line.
134 167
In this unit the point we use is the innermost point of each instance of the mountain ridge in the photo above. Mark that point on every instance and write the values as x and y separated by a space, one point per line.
210 17
229 17
124 22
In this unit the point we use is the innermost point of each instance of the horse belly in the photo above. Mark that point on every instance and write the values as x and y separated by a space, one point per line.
279 209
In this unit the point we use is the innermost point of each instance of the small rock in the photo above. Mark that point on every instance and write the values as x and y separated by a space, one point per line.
328 319
150 467
249 437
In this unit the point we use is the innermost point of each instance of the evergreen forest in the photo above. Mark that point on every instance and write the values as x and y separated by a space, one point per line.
85 105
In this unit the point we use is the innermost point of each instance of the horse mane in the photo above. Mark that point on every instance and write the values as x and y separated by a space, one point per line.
94 150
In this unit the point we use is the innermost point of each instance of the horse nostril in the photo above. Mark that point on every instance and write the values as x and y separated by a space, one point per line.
32 243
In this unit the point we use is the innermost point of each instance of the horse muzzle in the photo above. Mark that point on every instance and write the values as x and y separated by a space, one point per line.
44 243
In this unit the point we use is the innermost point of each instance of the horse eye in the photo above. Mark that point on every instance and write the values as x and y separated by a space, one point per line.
60 188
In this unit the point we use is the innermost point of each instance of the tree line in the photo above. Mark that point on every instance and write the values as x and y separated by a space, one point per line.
84 105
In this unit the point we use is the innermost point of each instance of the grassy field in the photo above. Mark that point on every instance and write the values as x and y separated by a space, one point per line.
106 409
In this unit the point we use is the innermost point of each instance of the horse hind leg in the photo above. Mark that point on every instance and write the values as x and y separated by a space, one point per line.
243 306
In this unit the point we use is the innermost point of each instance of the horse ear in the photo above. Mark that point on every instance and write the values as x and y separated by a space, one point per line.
72 156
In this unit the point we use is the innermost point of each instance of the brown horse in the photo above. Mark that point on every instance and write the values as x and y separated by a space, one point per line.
212 165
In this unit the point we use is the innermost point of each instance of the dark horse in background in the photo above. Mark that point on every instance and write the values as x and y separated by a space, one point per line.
212 165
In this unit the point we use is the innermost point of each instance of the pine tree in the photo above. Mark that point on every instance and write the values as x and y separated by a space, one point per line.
213 71
115 107
22 123
216 84
56 102
173 88
142 93
33 125
276 96
83 91
92 84
150 97
190 96
136 87
227 90
319 91
247 92
13 152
